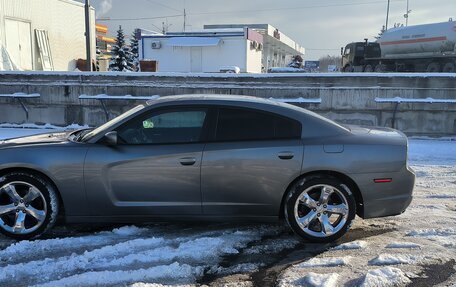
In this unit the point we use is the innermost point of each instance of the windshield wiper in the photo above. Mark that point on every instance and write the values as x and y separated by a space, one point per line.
77 136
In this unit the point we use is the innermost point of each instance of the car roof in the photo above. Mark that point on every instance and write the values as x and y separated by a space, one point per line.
213 97
320 125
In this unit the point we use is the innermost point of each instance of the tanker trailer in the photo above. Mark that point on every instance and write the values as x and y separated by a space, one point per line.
420 48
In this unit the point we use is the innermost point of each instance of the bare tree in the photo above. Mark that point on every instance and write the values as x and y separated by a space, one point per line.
329 60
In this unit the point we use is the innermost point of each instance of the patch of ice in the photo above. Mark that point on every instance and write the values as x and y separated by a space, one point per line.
239 268
389 259
433 232
273 246
385 277
128 230
325 262
445 237
359 244
312 279
403 245
168 273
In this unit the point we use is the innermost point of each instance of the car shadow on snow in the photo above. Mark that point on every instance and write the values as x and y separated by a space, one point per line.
271 264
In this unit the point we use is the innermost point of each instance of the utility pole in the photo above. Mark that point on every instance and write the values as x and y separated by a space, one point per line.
87 34
185 19
387 15
406 15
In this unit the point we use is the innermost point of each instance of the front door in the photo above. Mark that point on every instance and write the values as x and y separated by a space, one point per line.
154 170
18 43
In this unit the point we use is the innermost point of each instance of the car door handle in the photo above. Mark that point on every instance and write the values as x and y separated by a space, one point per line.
187 161
285 155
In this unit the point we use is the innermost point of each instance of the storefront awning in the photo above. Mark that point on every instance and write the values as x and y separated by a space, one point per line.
193 41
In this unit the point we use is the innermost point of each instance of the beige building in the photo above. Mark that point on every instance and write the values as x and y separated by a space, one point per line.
44 35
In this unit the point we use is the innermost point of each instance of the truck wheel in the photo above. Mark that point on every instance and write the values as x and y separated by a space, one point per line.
433 68
449 68
380 68
368 69
348 69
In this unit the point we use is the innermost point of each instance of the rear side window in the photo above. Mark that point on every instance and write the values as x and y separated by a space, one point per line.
246 124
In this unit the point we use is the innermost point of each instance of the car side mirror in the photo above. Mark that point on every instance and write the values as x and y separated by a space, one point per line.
110 138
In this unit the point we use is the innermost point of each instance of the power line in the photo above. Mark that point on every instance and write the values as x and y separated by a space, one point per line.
293 8
248 11
140 18
163 5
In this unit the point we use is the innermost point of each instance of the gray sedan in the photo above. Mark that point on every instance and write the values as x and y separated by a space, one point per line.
208 157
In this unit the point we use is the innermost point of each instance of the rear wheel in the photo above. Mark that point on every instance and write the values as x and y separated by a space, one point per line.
433 68
320 209
28 205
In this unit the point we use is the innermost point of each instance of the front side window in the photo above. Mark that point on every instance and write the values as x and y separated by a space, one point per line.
245 124
166 127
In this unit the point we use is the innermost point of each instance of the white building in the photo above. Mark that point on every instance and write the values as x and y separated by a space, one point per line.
43 34
278 47
204 51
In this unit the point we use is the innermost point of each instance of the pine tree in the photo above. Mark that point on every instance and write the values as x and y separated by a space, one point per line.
121 55
134 51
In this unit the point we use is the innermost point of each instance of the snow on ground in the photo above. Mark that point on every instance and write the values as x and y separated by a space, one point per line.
403 245
359 244
384 277
393 259
393 251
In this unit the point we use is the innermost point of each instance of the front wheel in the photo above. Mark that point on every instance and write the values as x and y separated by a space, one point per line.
28 205
320 209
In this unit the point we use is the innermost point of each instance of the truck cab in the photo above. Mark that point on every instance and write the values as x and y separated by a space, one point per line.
356 55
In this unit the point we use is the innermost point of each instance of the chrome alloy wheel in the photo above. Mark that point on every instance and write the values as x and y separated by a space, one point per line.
23 207
321 210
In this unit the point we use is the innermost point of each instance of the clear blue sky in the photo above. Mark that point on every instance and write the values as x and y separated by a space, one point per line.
321 26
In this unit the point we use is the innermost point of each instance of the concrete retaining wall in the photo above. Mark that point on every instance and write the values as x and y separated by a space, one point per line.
347 98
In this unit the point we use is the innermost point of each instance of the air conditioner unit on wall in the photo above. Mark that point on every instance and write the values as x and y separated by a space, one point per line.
156 45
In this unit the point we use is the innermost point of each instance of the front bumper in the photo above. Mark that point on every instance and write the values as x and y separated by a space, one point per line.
386 199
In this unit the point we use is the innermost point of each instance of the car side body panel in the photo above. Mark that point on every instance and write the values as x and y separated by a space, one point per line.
248 178
61 162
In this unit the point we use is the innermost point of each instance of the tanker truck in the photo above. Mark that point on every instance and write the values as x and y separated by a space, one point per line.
421 48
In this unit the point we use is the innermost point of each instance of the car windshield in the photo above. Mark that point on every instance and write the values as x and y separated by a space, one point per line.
112 122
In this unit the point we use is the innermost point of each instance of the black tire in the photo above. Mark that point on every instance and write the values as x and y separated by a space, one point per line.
348 69
342 223
46 205
380 68
449 68
433 68
368 69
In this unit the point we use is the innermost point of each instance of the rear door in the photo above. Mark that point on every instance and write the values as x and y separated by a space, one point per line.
254 157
